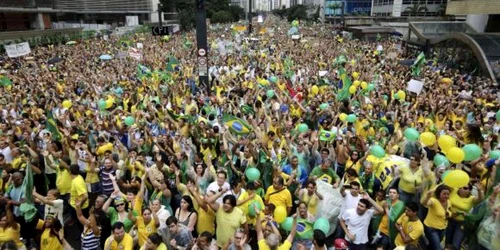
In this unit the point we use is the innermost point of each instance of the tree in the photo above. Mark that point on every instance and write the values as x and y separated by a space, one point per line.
416 9
335 7
186 10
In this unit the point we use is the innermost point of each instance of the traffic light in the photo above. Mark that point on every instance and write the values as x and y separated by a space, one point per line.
200 4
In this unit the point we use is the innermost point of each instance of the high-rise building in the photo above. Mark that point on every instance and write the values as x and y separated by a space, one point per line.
397 8
40 14
482 15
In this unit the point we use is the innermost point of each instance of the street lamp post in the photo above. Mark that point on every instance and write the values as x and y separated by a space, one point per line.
249 17
201 42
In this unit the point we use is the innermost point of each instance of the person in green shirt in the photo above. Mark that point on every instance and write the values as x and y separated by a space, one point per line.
325 173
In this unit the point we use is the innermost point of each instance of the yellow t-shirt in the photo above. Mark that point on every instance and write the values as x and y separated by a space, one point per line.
231 221
244 206
78 188
311 201
92 177
205 221
413 229
10 233
436 217
144 230
127 243
285 246
49 242
63 181
459 204
409 180
281 198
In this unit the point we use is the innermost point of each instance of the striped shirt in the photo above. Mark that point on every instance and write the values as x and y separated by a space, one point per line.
107 184
89 240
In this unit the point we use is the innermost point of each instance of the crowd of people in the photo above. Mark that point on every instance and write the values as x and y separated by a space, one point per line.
122 154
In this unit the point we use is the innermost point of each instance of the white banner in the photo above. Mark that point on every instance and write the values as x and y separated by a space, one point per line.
329 207
415 86
16 50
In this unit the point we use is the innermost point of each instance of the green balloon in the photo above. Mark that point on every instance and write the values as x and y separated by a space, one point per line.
495 154
378 151
303 128
129 121
251 208
101 104
441 160
252 174
270 93
322 224
287 224
472 152
396 96
273 79
351 118
370 87
386 97
411 134
323 106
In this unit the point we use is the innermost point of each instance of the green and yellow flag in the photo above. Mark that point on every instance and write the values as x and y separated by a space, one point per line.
325 135
236 125
343 93
416 68
172 63
51 126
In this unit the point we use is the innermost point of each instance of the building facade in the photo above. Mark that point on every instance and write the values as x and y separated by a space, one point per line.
40 14
482 15
398 8
350 7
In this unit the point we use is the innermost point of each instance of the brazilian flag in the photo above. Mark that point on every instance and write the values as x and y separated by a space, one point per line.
172 63
247 109
143 71
236 125
325 135
346 83
305 229
52 127
416 68
5 81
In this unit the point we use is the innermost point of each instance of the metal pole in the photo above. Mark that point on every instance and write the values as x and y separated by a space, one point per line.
201 41
343 14
159 14
249 17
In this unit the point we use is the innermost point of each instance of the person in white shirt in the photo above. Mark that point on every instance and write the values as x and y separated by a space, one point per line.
219 185
5 151
355 222
53 205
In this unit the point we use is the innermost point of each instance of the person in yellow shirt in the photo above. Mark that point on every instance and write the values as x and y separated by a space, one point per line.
52 236
248 198
436 220
104 146
10 230
228 215
78 188
154 242
310 196
410 178
119 240
278 194
273 239
409 227
461 203
146 224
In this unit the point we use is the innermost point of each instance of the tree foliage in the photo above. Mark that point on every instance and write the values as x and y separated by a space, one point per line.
296 12
217 11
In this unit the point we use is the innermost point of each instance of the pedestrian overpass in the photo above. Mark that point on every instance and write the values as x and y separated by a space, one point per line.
457 45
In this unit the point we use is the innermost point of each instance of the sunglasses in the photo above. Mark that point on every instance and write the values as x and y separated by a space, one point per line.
121 204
